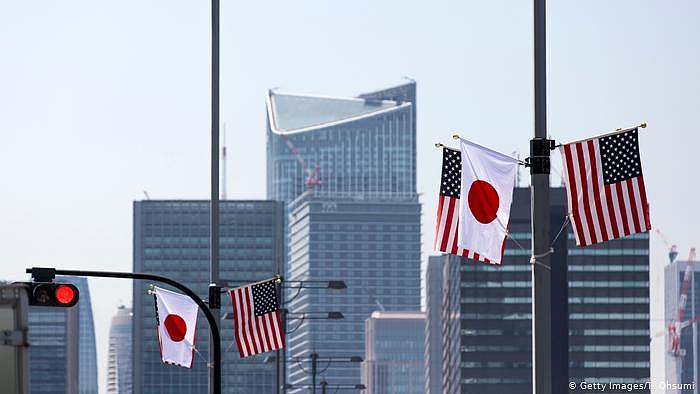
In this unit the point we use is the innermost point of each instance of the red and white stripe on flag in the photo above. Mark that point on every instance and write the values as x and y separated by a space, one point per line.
447 228
256 319
605 187
176 317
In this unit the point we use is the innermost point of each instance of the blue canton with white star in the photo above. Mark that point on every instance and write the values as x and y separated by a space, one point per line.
264 297
451 182
620 157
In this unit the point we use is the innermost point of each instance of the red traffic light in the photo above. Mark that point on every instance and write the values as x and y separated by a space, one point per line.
53 294
65 294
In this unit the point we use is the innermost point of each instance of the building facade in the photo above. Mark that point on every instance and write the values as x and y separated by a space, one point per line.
363 145
682 366
119 358
54 336
87 373
608 310
346 167
433 327
171 237
374 246
63 355
394 353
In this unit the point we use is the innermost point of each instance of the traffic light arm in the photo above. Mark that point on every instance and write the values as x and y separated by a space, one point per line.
213 327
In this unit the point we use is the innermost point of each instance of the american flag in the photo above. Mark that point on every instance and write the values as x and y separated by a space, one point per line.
605 187
256 318
446 231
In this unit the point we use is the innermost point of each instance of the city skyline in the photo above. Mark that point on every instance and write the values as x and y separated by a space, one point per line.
97 118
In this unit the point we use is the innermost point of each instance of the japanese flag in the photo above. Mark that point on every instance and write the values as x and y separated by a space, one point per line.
176 317
488 179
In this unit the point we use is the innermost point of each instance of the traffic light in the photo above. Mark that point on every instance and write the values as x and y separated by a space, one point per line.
53 294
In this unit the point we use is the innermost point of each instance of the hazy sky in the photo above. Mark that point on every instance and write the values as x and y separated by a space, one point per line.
102 100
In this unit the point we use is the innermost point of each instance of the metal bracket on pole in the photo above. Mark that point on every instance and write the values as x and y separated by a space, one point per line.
46 275
214 296
539 161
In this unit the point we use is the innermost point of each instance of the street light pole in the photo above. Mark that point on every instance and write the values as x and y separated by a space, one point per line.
214 293
539 170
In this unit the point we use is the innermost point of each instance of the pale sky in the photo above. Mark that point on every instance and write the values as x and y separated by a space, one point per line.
102 100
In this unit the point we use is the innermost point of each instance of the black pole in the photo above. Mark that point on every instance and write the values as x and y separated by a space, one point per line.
214 293
215 384
324 384
314 362
539 170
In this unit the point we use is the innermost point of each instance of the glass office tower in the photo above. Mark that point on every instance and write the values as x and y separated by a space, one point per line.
433 325
347 168
87 373
608 310
171 238
63 353
374 246
394 353
119 358
54 352
681 368
364 144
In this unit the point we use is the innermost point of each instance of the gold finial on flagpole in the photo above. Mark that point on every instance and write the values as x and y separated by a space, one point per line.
151 286
455 136
278 279
643 125
439 145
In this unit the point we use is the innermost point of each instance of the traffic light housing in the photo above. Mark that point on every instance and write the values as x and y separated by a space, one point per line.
53 294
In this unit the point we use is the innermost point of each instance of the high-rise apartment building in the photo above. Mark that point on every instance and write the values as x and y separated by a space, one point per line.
347 168
682 366
171 238
62 356
394 353
608 310
119 357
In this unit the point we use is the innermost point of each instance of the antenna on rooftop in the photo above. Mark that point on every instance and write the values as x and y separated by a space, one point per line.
223 169
145 193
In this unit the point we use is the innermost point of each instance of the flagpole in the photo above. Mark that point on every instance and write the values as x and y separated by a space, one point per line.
540 160
214 289
642 125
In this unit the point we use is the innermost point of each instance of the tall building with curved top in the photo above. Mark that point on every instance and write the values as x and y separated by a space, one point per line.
346 167
364 144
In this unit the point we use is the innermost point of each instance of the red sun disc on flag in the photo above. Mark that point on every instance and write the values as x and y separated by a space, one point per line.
176 327
483 201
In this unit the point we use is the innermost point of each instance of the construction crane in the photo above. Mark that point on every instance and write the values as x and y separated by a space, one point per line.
313 177
672 248
676 325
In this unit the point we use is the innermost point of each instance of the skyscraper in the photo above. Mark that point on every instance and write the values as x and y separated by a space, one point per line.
681 368
347 168
119 358
63 354
394 353
433 324
374 246
608 309
364 145
171 238
53 355
87 374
